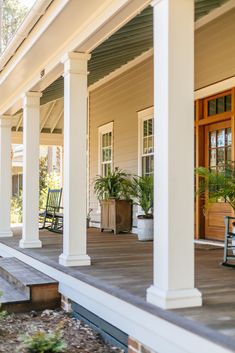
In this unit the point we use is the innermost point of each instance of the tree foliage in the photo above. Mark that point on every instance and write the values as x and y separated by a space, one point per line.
12 14
46 180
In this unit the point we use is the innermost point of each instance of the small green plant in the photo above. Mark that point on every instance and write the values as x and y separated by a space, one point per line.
217 184
3 313
43 342
142 192
17 208
116 185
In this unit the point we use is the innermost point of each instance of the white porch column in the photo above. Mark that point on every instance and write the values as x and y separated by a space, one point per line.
75 192
31 131
173 285
5 176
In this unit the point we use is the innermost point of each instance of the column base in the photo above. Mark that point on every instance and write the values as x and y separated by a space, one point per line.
6 233
74 260
30 244
174 299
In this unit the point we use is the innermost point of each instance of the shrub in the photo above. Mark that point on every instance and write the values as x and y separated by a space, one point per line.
46 181
43 342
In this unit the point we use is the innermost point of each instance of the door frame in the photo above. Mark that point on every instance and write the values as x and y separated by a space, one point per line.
201 120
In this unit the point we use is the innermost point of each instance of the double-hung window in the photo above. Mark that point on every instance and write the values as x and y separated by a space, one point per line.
106 149
146 142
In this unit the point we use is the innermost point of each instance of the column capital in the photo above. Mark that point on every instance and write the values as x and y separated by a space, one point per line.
5 121
31 98
155 2
76 63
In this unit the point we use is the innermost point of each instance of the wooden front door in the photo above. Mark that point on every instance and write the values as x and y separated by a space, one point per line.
218 152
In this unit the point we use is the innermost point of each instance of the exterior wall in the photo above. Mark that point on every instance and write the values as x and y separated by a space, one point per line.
136 347
215 51
119 100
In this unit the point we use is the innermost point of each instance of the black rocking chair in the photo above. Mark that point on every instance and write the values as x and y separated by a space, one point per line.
47 217
229 247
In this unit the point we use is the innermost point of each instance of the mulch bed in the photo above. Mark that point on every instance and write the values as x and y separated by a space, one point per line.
78 336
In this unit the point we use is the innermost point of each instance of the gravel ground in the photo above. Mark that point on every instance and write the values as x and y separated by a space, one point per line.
78 337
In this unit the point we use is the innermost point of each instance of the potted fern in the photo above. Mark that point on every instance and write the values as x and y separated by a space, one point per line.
113 193
142 192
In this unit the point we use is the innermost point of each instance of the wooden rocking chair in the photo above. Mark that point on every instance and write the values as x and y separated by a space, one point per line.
46 218
229 244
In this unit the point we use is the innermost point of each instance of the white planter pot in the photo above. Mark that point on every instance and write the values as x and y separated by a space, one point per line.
145 229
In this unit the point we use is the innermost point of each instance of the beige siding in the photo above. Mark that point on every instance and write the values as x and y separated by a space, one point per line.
215 51
119 101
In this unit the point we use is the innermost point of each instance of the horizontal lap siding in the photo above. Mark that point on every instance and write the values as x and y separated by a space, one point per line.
119 100
215 51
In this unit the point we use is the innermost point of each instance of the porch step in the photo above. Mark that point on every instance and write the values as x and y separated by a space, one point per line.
25 288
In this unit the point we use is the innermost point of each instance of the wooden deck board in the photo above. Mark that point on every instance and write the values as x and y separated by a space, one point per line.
122 264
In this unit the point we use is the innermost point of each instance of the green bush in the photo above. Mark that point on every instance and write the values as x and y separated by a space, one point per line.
43 342
17 208
46 181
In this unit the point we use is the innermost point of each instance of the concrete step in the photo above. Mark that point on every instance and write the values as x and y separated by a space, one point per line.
37 290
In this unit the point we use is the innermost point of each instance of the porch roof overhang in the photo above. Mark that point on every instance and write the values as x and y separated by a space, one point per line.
120 32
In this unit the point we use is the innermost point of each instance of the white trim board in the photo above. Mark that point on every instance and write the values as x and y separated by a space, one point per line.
151 330
215 88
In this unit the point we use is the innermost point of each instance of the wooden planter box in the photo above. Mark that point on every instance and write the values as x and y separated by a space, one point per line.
116 215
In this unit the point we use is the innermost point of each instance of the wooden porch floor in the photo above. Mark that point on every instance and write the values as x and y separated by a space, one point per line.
122 265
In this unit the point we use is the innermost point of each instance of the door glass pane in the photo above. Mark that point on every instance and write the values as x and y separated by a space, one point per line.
213 158
212 107
229 137
213 139
221 156
228 103
220 105
228 154
221 138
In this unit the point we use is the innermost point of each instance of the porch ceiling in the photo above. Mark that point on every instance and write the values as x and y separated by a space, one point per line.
130 41
127 43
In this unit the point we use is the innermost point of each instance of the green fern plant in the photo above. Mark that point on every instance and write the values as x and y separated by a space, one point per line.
217 184
116 185
142 192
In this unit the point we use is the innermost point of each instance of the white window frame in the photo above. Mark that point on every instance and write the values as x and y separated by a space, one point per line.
104 129
143 115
